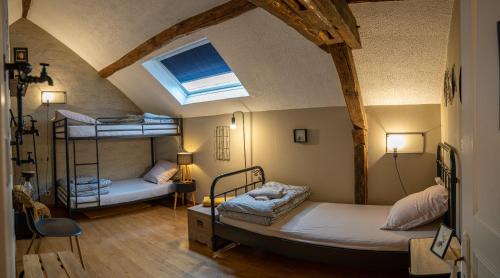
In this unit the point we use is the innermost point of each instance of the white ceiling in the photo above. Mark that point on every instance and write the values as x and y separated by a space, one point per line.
402 61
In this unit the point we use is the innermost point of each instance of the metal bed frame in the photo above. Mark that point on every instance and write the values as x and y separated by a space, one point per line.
224 233
176 126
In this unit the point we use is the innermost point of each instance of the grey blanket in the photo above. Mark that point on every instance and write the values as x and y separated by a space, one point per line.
247 208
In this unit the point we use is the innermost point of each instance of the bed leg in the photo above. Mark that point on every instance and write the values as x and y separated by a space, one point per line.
175 200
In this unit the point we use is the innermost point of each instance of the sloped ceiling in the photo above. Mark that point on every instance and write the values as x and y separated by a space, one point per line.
402 60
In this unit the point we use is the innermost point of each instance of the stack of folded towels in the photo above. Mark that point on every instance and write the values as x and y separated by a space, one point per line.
86 186
266 204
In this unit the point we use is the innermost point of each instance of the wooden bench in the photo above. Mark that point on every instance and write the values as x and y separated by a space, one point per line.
60 264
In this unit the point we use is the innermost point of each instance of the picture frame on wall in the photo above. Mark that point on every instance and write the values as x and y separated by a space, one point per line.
20 54
300 135
442 241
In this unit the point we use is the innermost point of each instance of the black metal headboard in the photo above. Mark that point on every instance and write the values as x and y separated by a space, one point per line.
447 171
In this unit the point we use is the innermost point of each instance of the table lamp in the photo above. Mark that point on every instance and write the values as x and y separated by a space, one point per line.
184 159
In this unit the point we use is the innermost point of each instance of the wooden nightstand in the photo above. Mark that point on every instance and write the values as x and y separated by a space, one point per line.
183 188
200 224
424 263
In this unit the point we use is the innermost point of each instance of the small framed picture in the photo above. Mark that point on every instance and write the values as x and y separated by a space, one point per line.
442 241
20 54
300 135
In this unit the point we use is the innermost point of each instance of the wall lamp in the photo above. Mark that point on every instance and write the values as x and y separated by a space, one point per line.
233 127
396 143
53 97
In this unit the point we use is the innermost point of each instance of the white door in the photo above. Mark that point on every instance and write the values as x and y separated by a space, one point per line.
7 242
480 138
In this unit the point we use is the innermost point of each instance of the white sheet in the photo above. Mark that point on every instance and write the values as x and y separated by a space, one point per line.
117 130
338 225
121 191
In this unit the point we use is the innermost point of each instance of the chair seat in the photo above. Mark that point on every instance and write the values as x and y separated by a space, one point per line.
58 227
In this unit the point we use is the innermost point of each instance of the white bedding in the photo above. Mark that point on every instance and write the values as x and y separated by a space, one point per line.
338 225
121 191
117 130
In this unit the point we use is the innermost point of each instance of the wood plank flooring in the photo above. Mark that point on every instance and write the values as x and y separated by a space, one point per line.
153 242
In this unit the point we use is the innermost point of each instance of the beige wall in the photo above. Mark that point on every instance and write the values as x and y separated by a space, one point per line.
326 162
86 93
417 170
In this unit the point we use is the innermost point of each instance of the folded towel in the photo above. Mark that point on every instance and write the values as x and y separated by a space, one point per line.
270 193
218 200
262 198
103 191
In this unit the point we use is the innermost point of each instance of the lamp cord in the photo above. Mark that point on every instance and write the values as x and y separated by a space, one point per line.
244 147
48 149
399 176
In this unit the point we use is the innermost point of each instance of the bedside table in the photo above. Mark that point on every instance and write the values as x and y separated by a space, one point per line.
183 188
424 263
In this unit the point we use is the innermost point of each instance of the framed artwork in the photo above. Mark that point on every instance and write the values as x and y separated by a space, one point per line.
446 87
20 54
453 84
300 135
442 241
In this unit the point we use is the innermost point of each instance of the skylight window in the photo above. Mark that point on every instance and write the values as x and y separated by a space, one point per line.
196 73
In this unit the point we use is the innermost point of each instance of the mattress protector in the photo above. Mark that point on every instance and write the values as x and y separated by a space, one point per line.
338 225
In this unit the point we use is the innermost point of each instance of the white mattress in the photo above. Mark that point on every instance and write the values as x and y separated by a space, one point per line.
121 191
117 130
338 225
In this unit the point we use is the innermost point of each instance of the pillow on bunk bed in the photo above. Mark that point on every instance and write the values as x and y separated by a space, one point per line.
418 209
74 118
162 172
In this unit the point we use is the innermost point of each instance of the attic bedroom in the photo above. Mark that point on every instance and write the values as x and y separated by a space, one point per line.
250 138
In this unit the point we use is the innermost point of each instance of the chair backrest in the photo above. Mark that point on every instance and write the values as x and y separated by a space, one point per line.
30 219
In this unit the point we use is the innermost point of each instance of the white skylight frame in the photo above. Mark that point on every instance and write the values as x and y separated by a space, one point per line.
178 90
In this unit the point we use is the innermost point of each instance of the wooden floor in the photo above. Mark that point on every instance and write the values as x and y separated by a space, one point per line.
153 242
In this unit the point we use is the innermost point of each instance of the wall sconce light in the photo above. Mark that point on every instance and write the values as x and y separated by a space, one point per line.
184 159
53 97
404 143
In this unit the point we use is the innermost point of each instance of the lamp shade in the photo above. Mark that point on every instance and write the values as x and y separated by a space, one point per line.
184 158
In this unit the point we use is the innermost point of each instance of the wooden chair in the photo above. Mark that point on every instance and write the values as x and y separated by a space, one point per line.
53 227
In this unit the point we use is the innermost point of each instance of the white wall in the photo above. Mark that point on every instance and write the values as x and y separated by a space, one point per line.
480 136
7 265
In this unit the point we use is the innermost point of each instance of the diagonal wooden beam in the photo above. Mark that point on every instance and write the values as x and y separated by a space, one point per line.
26 7
344 62
205 19
365 1
324 22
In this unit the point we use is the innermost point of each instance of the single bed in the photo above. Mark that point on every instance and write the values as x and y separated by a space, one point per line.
120 192
342 234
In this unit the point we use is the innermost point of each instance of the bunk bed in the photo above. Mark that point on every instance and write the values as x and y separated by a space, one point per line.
107 128
349 236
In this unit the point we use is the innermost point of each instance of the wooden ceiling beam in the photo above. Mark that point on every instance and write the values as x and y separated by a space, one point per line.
344 62
26 7
205 19
367 1
323 22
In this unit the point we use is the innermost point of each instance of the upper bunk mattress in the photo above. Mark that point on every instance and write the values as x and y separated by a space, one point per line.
82 131
338 225
121 191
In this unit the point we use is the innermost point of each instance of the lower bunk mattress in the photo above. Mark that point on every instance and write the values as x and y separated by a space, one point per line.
121 191
83 131
338 225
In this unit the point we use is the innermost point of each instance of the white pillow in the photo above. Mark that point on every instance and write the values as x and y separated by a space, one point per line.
74 118
417 209
161 172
